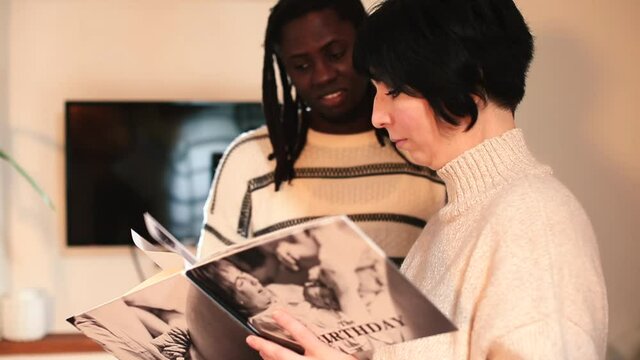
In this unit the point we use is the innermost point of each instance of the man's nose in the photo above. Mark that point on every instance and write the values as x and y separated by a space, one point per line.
324 73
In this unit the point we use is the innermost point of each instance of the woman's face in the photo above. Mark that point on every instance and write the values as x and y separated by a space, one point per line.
247 290
413 127
251 293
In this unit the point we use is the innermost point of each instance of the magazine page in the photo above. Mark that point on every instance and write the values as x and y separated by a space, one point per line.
168 320
164 239
158 254
329 276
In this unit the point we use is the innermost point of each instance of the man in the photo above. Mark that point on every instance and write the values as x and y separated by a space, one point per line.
318 154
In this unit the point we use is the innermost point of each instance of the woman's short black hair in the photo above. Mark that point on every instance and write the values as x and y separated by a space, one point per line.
446 51
287 123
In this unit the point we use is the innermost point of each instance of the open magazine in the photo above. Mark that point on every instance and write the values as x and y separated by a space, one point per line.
326 273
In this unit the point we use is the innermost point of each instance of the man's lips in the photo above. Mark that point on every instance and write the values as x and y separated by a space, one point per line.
333 98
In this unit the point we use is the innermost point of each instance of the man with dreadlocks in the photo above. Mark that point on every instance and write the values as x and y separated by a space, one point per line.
318 154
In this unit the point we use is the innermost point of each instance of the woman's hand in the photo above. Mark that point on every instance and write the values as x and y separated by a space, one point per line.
314 349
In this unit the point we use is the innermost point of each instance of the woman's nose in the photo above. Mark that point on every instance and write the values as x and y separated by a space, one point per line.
380 116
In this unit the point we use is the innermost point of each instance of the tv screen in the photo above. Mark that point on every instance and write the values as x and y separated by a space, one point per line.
127 158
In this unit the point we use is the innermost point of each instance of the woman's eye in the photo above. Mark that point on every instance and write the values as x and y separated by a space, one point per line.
393 93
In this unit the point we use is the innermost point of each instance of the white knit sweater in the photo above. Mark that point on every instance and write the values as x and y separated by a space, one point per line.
353 175
512 260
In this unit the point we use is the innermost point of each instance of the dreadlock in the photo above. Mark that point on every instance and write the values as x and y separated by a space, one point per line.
288 124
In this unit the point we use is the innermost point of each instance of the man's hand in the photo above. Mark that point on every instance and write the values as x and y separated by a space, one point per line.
314 349
291 253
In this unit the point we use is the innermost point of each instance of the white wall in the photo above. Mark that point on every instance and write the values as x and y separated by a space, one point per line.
579 116
98 49
4 55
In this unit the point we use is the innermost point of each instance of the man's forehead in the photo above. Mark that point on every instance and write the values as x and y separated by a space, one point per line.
313 31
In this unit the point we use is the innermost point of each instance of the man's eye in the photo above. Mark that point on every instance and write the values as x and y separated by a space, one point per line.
301 67
337 55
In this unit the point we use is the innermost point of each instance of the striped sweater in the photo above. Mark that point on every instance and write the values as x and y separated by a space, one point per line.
390 199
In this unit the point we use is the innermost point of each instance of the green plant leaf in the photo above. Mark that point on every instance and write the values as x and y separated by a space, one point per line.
24 174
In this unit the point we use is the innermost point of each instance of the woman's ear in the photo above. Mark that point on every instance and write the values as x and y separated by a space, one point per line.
479 101
465 121
449 130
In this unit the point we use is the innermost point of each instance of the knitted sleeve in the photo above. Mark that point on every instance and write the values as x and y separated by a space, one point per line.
544 295
552 338
223 208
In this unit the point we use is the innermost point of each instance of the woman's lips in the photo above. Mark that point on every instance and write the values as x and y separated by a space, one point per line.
399 142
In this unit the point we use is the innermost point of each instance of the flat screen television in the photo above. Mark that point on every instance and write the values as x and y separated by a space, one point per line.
126 158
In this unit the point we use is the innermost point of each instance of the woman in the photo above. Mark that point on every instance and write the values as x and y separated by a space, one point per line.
511 259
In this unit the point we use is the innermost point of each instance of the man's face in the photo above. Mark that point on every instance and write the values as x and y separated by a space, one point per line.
317 53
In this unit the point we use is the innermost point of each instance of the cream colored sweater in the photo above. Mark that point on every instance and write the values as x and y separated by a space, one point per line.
512 260
351 175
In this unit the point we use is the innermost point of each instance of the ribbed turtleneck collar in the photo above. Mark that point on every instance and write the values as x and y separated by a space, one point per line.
480 171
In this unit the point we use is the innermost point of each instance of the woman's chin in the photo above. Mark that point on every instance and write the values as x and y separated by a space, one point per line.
415 159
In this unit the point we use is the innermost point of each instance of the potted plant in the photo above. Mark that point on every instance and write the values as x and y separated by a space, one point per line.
3 265
21 171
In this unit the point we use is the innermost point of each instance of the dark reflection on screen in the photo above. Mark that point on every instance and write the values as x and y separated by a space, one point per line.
125 158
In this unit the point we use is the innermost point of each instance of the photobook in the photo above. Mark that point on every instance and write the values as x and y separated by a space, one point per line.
326 273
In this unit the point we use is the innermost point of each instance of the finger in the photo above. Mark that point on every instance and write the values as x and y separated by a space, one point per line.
270 350
300 333
289 261
265 357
